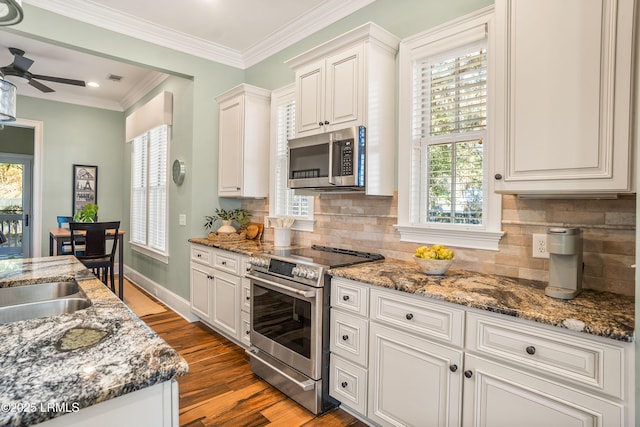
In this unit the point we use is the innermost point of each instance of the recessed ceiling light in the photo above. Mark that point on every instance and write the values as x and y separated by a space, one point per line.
93 84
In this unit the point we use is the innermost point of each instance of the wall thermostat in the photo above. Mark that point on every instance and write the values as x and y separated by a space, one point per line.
179 171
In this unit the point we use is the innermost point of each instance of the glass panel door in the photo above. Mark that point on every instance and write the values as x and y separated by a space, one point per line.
15 205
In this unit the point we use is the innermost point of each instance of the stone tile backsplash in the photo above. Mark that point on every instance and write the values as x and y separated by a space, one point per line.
366 223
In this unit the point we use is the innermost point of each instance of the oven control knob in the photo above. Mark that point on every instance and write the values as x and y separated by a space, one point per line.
295 271
311 274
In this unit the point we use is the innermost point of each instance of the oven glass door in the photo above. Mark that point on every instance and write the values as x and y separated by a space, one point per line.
283 319
286 322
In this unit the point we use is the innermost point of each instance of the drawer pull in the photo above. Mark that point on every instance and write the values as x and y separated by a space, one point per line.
345 298
345 338
468 374
409 316
247 298
224 262
199 255
247 332
344 384
531 350
453 368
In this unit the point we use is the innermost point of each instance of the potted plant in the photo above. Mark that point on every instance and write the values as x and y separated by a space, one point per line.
89 213
240 215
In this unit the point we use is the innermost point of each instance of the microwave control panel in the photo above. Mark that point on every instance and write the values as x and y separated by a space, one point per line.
347 158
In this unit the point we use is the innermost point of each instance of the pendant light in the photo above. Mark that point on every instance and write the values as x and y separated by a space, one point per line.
10 12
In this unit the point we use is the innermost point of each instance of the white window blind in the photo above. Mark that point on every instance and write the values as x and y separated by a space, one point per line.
149 160
285 202
449 127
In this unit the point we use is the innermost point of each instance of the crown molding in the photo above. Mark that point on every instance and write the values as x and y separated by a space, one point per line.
318 18
141 89
301 27
119 22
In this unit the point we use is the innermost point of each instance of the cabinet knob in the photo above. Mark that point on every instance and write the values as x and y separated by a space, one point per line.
344 384
345 298
199 255
224 262
468 374
247 332
453 368
238 188
498 176
409 316
531 350
326 122
345 338
320 123
247 298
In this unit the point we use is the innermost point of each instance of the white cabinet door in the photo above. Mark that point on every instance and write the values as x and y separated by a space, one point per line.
563 85
344 93
200 291
496 396
230 167
412 381
225 312
310 98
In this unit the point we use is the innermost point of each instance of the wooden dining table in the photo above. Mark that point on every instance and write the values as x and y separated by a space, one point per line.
60 236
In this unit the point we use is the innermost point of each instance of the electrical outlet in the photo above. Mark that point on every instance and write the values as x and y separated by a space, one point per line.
540 246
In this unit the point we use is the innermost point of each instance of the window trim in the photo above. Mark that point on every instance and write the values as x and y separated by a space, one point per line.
429 43
162 256
300 224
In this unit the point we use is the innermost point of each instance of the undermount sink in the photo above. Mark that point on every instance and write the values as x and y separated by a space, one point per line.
41 300
34 310
37 292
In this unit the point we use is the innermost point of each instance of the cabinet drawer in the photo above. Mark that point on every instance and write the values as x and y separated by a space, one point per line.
350 296
201 255
246 296
348 384
418 315
245 329
349 336
586 362
227 261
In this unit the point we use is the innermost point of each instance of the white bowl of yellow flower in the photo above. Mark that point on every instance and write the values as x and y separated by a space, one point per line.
434 260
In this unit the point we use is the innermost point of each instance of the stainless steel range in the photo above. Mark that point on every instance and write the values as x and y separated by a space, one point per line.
290 319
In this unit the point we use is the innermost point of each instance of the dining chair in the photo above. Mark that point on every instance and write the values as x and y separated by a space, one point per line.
63 222
97 255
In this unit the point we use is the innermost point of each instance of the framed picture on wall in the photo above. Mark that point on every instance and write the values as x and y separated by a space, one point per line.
85 186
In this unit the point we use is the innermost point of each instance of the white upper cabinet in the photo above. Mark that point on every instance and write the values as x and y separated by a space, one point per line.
564 96
350 81
243 159
329 93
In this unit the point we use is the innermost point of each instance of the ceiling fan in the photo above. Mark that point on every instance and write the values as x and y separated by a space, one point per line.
20 68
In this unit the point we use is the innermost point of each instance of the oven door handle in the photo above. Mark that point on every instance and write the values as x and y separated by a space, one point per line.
305 386
306 294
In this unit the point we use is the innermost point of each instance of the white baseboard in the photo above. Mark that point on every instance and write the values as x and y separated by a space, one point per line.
170 299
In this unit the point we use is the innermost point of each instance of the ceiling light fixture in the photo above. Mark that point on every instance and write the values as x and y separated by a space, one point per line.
10 12
93 84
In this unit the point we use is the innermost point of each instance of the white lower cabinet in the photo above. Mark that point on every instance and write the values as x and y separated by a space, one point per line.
499 396
412 381
219 291
402 360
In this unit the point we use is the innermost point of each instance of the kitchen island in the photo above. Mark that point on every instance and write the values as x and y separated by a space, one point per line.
101 363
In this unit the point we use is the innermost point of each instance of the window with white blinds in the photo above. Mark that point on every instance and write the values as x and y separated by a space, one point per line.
449 125
284 202
149 160
445 113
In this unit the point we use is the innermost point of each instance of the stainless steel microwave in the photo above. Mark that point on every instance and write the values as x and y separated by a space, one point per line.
332 161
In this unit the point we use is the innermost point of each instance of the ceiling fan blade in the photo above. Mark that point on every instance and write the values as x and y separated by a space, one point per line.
40 86
21 63
59 80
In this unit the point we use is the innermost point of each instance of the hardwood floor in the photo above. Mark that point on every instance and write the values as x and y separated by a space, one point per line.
221 390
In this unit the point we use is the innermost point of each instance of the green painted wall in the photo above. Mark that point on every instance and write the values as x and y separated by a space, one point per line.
74 134
16 140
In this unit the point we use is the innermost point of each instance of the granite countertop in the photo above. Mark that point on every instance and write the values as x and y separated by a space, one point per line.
244 247
598 313
76 359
